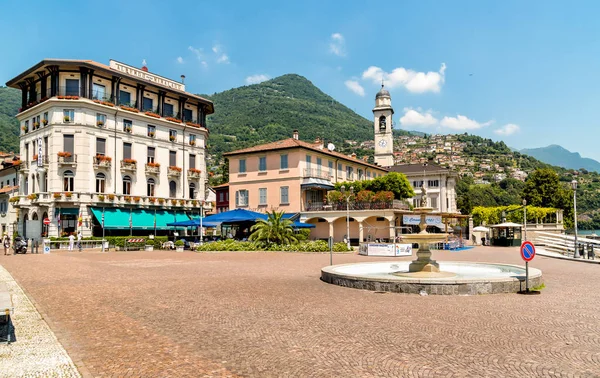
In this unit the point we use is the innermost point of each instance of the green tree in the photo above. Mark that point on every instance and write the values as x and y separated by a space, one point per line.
275 229
543 188
394 182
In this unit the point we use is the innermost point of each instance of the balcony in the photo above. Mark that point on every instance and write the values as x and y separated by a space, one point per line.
128 165
316 173
341 206
153 169
194 173
101 161
67 159
34 161
174 171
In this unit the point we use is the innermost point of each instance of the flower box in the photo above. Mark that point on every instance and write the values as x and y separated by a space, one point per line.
192 142
68 195
64 154
111 197
151 134
14 199
67 119
68 97
173 202
25 129
57 195
128 129
99 123
152 114
161 201
32 197
129 109
136 199
151 199
36 125
172 138
127 198
100 197
192 124
45 122
174 171
172 119
107 103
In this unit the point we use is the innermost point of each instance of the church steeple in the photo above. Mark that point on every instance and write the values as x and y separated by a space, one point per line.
384 141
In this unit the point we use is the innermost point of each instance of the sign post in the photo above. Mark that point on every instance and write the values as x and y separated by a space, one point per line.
527 254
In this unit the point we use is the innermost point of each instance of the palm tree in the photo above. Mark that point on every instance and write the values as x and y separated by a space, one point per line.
274 229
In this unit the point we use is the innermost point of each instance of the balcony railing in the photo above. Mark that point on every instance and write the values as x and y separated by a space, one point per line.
67 160
341 206
102 162
316 173
128 165
174 171
152 169
193 173
45 160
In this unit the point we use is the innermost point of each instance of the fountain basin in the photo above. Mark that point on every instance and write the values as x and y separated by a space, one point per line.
461 278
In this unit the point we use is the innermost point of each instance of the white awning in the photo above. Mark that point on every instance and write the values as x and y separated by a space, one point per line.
314 182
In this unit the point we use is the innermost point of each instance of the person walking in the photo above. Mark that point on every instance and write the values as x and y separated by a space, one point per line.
6 243
79 241
71 241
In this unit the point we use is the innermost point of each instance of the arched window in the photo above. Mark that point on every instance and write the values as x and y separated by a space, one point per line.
68 181
172 189
126 185
150 188
34 217
192 190
382 124
100 183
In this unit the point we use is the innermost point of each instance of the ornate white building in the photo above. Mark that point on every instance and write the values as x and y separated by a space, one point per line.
107 140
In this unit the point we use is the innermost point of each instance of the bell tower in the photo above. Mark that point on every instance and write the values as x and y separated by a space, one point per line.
384 141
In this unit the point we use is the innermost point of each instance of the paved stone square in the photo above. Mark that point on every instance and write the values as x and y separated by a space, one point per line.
169 314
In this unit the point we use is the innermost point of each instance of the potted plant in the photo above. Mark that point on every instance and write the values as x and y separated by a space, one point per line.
192 142
35 157
151 134
111 197
152 114
179 244
173 202
45 122
127 198
173 119
68 195
36 124
151 199
57 195
67 119
128 129
172 138
161 201
149 245
136 199
100 197
99 123
25 129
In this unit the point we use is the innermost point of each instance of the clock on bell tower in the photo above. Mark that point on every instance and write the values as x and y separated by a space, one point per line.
384 141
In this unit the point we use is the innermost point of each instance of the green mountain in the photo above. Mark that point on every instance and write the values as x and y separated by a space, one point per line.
10 101
557 155
271 110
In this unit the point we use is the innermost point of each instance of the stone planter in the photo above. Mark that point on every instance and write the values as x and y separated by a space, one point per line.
179 248
149 248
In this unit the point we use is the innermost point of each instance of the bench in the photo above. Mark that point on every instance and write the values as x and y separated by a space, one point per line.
7 331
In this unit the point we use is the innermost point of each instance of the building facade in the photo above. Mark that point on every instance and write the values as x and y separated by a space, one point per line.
439 182
291 175
113 137
8 188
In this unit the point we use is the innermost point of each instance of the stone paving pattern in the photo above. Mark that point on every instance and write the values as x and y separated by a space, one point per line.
169 314
37 352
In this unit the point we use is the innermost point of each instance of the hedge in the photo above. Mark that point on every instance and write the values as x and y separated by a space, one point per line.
119 241
307 246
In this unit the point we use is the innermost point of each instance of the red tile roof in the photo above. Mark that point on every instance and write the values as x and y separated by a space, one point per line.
295 143
8 189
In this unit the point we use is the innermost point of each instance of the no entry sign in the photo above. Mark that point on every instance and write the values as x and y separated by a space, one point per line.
527 251
47 221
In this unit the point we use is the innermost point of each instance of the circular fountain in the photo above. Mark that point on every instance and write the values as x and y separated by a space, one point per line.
425 275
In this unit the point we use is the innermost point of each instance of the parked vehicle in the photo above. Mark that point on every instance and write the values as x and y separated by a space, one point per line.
20 245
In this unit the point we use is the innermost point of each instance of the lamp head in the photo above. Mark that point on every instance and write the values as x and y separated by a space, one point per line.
574 184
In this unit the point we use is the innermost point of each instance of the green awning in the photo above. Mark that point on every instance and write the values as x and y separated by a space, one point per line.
141 219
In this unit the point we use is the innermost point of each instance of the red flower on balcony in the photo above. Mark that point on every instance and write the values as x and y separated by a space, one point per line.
64 154
172 119
129 161
152 114
155 165
195 170
129 109
175 168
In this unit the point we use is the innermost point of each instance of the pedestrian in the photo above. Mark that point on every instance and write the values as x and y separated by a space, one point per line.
79 246
71 241
6 243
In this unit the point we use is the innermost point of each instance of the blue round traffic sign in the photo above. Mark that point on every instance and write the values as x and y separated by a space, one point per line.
527 251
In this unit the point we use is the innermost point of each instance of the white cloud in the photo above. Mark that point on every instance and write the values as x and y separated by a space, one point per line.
221 56
417 117
199 52
508 129
461 122
179 60
255 79
413 81
337 44
355 87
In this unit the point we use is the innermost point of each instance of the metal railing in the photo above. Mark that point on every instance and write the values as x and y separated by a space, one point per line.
102 161
67 159
341 206
316 173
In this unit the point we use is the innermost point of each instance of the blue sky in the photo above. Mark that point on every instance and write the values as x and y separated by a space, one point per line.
525 72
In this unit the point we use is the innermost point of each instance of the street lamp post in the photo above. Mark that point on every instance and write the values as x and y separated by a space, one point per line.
574 187
347 196
524 220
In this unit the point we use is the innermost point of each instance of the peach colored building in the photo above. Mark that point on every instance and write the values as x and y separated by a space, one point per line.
290 175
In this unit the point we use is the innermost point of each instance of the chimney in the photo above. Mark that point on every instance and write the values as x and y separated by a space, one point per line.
365 158
353 155
319 143
295 134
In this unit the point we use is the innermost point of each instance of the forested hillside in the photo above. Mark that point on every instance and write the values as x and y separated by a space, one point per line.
10 101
